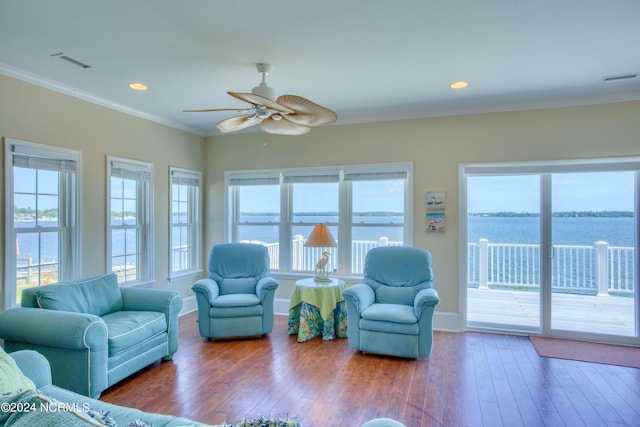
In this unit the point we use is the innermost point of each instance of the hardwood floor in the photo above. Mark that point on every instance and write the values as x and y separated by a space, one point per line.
471 379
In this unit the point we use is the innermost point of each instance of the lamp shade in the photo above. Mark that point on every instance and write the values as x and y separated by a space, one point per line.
320 237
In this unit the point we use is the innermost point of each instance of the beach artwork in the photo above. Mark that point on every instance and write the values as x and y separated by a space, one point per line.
436 221
435 201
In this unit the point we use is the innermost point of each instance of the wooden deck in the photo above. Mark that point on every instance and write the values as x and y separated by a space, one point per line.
613 315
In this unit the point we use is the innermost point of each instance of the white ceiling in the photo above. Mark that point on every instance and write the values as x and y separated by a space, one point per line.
369 61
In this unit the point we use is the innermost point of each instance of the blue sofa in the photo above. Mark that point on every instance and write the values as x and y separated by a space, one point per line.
93 332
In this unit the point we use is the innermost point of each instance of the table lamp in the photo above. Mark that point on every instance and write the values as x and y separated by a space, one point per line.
321 237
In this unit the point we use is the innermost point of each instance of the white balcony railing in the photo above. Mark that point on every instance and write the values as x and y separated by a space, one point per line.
304 259
599 269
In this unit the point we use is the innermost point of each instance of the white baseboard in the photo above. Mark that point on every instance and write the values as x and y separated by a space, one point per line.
281 306
442 321
189 305
447 321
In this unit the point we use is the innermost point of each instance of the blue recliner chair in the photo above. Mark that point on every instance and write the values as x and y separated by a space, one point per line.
392 311
236 300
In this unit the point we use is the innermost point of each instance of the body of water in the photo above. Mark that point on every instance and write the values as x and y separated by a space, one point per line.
583 231
618 231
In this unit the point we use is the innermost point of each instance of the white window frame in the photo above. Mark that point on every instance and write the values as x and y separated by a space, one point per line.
344 175
69 215
194 222
142 173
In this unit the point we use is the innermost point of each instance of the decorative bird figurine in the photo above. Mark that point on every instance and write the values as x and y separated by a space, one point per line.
321 267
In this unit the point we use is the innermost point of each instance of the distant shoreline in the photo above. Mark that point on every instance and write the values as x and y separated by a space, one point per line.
570 214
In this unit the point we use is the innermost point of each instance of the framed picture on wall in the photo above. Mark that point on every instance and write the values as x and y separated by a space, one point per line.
435 201
436 221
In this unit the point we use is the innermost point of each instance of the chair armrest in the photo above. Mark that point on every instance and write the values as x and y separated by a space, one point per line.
266 285
208 288
53 328
425 298
34 365
361 296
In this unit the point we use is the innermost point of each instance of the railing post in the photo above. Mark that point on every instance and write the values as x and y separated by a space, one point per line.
602 268
483 261
383 241
298 248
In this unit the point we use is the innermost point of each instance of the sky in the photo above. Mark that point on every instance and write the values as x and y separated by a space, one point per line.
597 191
369 196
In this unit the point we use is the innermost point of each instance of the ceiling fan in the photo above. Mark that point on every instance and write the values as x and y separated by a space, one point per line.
287 115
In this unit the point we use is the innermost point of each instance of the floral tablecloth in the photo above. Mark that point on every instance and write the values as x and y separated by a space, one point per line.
318 310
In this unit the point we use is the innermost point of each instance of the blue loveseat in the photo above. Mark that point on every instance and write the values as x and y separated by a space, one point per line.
93 332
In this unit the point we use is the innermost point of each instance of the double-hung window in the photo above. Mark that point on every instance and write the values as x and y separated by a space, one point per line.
42 213
186 224
130 225
363 206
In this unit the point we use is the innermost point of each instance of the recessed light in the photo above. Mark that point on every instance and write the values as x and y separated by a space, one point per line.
458 85
137 86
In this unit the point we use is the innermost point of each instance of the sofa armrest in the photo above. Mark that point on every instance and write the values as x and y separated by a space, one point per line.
266 285
164 301
145 299
34 365
52 328
207 288
360 296
424 299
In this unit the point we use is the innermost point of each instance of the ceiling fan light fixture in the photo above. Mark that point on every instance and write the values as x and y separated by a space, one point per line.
262 112
276 117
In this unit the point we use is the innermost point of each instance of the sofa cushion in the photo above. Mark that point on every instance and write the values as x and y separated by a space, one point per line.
98 295
241 285
126 329
236 300
395 313
12 379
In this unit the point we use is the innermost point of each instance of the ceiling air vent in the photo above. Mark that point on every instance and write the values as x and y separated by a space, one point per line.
620 77
71 60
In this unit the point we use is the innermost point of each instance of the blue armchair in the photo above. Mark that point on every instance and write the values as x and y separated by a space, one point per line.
392 311
236 300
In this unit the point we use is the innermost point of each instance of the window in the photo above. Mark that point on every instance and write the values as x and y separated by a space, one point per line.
42 210
130 207
186 224
364 206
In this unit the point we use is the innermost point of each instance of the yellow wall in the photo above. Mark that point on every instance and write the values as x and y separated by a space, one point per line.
34 114
436 146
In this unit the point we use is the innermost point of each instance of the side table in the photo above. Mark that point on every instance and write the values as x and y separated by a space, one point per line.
318 309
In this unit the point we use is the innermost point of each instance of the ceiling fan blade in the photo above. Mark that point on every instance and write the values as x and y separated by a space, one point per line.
282 127
306 113
235 123
217 109
254 99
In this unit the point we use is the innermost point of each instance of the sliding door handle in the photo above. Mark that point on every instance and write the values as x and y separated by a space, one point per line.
551 252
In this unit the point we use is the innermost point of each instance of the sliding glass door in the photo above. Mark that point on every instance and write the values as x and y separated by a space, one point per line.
552 248
503 249
593 240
